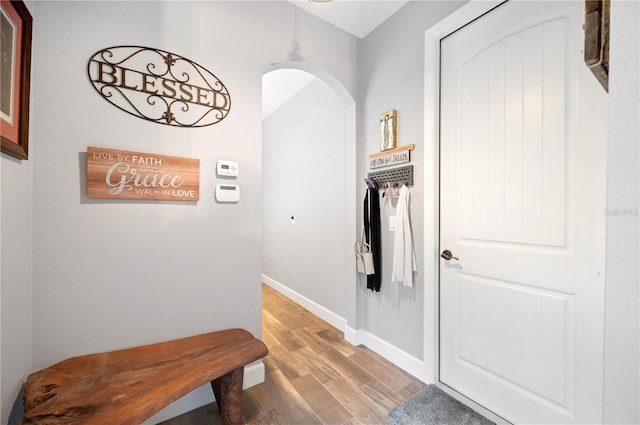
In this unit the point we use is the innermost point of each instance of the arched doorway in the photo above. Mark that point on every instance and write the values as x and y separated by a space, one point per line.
309 190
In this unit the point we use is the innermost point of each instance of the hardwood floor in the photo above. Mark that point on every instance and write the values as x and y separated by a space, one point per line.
313 376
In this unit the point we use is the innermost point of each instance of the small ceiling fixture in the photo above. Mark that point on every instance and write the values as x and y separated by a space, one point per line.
320 1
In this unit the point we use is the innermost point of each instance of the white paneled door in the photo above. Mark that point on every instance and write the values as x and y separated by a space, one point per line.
522 207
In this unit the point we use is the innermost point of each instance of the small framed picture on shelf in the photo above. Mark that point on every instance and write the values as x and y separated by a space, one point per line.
388 130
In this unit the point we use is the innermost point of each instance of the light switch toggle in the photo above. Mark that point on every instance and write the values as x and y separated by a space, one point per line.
392 223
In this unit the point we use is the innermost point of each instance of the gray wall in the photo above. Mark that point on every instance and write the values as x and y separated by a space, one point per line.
304 165
114 274
16 278
391 76
622 373
16 229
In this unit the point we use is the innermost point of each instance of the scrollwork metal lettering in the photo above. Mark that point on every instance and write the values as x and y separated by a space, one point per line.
191 95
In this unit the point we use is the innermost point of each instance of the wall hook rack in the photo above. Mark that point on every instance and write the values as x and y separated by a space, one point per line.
395 176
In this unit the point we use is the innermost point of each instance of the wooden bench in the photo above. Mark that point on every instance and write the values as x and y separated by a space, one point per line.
125 387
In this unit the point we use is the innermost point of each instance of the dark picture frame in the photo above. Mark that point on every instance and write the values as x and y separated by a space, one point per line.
16 26
596 39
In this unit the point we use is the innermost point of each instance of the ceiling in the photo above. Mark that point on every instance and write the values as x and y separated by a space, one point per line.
358 17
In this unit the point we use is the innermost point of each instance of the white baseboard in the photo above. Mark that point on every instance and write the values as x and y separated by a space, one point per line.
402 359
253 375
327 315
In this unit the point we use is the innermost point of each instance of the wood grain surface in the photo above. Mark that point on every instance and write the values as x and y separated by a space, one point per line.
119 174
128 386
313 376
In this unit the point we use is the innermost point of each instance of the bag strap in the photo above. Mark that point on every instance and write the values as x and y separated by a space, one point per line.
366 215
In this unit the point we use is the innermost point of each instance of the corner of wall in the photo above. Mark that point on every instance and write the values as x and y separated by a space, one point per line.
622 295
400 358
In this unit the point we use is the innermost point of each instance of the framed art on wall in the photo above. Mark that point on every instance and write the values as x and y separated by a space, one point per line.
596 39
15 74
388 130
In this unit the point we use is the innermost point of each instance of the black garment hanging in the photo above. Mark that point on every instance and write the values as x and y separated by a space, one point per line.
372 232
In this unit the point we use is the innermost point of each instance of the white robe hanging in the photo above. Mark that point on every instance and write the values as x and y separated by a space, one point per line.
404 257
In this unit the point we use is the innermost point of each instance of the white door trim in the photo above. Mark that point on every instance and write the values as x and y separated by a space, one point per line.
467 13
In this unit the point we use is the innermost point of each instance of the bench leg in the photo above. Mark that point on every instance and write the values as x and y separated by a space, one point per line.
228 392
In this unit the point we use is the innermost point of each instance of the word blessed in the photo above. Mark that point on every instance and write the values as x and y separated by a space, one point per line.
134 175
128 178
159 86
112 75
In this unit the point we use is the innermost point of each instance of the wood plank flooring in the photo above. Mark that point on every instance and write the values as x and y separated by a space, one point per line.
313 376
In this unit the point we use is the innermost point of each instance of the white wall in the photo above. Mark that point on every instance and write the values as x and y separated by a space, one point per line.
622 371
16 272
304 175
114 274
391 76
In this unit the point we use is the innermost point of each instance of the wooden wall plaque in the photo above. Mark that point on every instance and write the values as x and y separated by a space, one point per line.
118 174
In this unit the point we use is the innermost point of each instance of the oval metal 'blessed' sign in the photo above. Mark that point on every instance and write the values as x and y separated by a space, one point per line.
159 86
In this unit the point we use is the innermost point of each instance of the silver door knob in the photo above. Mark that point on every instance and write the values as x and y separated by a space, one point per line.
446 254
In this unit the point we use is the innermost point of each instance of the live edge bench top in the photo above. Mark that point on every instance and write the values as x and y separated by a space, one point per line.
129 386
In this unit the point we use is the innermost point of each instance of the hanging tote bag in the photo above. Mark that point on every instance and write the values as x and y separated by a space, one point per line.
364 257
